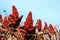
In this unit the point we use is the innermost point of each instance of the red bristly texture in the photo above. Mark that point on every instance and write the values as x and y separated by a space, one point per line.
39 25
51 28
5 23
28 24
45 26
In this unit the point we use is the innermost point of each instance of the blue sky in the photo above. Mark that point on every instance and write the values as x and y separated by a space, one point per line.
46 10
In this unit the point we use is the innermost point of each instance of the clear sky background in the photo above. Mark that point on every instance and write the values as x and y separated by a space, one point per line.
46 10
